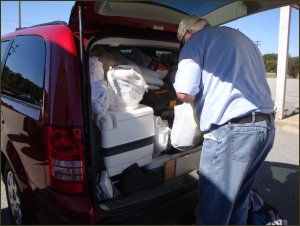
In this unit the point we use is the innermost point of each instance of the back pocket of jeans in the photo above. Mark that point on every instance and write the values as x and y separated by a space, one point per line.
244 145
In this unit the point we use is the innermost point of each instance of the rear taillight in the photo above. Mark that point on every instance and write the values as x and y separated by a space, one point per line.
65 147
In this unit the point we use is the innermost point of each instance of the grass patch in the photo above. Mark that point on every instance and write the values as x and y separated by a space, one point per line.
271 75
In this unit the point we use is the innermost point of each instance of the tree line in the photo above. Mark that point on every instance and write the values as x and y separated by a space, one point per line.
16 85
271 64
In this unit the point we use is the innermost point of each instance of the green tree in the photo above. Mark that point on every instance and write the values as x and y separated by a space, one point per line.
270 56
270 61
293 67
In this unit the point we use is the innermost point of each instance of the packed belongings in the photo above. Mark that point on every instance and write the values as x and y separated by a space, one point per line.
126 87
154 79
99 91
160 100
134 110
134 179
106 58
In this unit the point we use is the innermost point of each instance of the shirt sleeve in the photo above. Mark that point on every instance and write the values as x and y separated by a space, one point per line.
187 78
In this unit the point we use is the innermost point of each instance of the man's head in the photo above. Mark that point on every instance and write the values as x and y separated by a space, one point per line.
188 26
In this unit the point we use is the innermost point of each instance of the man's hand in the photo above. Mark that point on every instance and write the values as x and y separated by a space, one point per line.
186 97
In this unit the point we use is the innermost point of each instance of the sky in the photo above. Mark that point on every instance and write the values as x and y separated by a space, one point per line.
262 28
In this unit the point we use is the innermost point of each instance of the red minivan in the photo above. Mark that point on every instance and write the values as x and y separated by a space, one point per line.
64 164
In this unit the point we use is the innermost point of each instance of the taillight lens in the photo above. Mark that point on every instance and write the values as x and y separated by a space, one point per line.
65 155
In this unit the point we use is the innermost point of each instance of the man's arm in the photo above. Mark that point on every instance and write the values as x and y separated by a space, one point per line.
186 97
187 80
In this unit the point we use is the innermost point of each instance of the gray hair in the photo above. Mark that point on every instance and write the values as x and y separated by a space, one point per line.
193 22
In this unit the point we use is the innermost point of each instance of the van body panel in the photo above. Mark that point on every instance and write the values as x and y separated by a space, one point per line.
24 124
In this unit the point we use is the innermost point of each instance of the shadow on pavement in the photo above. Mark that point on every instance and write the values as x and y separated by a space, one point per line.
295 112
278 183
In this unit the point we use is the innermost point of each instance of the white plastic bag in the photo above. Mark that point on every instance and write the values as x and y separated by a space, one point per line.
185 133
162 133
126 87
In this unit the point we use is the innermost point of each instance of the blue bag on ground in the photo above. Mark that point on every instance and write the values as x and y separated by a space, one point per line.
261 213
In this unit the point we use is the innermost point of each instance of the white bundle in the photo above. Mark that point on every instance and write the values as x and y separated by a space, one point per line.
99 91
96 69
100 98
126 87
152 78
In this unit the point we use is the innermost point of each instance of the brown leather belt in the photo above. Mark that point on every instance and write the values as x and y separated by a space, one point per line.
248 118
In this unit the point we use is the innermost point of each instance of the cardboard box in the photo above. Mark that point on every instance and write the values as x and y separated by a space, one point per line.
187 163
170 170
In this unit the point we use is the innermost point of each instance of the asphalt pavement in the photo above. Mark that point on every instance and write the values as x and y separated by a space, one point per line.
278 179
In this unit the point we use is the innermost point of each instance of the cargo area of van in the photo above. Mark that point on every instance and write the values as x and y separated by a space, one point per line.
134 106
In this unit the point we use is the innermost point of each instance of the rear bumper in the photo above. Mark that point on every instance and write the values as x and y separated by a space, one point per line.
173 203
175 210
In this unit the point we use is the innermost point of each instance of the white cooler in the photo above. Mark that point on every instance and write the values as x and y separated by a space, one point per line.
127 138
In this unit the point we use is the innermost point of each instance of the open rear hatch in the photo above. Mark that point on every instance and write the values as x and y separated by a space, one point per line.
164 14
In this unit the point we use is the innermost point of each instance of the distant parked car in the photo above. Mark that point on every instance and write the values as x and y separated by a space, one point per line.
64 164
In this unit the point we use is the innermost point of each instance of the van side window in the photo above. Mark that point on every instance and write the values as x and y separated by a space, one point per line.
23 73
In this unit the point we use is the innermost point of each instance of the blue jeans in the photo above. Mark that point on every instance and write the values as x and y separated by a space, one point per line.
231 156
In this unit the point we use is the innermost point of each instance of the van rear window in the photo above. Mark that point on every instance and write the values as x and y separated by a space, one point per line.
23 73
